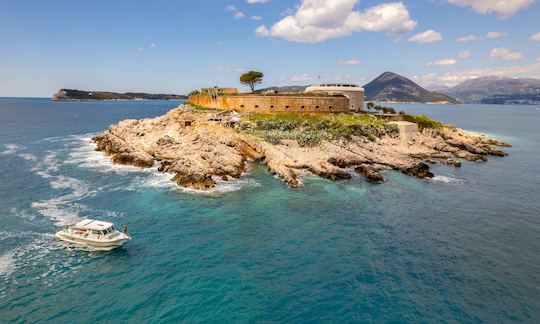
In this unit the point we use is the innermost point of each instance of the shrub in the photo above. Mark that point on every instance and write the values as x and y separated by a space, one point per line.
423 122
309 130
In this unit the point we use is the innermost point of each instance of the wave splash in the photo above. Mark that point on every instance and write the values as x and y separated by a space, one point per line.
447 179
84 155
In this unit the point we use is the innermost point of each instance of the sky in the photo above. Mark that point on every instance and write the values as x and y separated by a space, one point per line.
173 46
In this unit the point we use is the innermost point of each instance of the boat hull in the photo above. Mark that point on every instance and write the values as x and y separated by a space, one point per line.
88 242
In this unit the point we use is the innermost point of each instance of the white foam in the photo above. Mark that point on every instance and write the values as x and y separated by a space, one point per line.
447 179
7 264
222 187
22 214
31 257
47 165
85 156
28 157
10 149
58 210
64 209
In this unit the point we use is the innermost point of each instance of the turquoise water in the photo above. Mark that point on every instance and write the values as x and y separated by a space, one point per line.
463 247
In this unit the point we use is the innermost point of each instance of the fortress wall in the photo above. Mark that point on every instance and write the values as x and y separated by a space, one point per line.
356 98
274 104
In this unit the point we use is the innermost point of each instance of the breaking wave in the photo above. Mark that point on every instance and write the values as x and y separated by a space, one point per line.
447 179
85 156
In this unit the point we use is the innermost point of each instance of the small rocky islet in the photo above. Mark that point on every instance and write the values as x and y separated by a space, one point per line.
199 146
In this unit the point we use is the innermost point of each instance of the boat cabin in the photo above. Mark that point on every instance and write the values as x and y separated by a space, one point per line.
93 227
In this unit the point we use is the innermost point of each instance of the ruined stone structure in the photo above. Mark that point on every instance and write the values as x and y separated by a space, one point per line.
301 103
219 91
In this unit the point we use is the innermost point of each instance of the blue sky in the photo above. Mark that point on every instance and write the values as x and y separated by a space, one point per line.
176 46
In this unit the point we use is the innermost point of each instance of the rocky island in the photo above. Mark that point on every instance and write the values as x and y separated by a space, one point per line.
199 146
72 94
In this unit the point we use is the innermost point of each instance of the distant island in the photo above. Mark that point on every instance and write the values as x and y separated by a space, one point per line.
497 90
71 94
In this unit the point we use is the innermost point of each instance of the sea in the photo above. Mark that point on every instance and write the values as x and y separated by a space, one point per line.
461 247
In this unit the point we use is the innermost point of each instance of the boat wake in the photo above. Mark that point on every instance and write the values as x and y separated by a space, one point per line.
10 149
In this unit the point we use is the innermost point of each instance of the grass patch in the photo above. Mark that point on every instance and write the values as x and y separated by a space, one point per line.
196 107
310 130
423 121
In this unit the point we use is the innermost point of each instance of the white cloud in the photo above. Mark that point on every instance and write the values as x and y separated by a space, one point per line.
468 38
444 62
258 18
429 36
504 8
237 13
464 54
492 35
152 45
455 77
302 77
536 37
505 54
257 1
319 20
226 68
262 31
350 62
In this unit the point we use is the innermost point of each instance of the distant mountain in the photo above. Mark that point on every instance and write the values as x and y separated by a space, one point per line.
70 94
498 90
286 89
393 87
440 88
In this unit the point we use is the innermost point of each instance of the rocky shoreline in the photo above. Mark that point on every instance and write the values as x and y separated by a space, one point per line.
197 151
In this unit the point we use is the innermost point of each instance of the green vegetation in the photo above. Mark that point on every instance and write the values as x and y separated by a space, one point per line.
423 121
193 93
385 110
310 130
252 78
196 107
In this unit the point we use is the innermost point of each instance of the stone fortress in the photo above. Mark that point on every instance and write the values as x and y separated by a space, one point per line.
322 98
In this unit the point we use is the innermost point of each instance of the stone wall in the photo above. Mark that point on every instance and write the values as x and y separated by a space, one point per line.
356 98
274 104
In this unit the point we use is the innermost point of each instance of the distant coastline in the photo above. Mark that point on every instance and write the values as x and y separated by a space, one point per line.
81 95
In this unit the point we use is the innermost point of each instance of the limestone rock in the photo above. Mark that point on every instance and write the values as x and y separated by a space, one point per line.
205 151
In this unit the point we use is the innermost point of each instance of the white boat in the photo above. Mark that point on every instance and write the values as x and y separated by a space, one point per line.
94 233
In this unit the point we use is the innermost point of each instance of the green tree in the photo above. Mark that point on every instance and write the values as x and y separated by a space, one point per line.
370 105
193 93
251 79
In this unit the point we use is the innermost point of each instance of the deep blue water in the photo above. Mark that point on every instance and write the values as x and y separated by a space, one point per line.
461 248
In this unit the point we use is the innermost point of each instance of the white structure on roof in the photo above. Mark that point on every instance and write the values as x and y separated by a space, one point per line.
354 92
